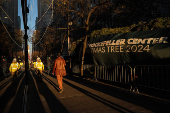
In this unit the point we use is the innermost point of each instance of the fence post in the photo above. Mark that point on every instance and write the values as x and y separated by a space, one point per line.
95 78
131 71
134 80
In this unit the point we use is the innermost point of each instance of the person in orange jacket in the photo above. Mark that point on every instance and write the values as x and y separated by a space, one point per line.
59 69
14 67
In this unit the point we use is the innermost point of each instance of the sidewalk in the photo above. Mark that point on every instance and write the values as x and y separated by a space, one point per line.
11 96
81 96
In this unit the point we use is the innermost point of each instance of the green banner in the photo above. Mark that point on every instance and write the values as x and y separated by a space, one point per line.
135 48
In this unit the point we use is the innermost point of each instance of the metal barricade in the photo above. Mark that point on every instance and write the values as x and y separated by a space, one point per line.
153 76
118 73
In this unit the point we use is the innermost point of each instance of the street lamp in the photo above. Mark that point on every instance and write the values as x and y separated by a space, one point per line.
69 44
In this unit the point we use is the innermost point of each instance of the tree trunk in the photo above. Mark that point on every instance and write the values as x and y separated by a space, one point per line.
63 43
84 50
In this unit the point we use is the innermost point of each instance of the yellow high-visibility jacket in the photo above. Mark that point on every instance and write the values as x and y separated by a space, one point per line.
21 64
34 64
39 65
14 67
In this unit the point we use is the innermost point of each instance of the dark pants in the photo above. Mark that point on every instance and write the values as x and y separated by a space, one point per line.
14 75
4 71
39 74
133 85
48 70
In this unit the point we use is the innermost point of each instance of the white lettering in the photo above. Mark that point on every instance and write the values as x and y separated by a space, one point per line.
108 42
130 41
103 49
108 47
122 41
142 41
165 40
155 40
117 48
118 42
121 48
112 49
113 43
149 40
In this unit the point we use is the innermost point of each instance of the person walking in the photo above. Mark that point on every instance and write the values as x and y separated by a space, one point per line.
14 67
133 86
34 62
40 67
48 65
4 66
21 64
59 69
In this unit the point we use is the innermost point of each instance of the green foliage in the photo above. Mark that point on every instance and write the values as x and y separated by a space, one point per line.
162 22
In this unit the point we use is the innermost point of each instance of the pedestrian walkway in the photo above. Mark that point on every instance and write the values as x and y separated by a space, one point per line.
87 96
11 94
79 96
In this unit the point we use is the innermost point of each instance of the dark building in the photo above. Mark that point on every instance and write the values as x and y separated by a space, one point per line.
19 23
9 16
165 8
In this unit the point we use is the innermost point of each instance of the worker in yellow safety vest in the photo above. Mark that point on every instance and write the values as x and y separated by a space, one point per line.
14 67
21 65
34 64
40 67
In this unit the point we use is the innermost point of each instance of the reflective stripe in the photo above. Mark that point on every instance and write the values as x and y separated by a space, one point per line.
39 67
14 68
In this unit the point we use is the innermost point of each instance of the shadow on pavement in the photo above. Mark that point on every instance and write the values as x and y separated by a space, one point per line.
9 95
51 82
140 100
54 104
98 98
49 74
34 104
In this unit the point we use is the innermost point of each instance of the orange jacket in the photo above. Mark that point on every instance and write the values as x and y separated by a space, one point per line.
59 65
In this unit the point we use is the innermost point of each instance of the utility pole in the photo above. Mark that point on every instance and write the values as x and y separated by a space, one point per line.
25 10
69 36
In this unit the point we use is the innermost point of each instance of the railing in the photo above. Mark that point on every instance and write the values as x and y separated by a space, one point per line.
152 76
119 73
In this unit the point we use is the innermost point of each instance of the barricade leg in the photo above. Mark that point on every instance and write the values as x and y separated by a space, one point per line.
94 77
